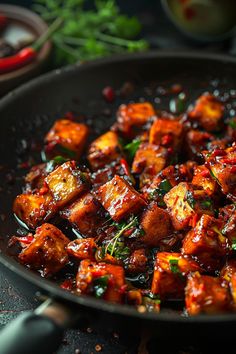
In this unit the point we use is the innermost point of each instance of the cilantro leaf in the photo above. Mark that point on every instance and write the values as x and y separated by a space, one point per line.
232 124
174 265
131 148
234 244
100 285
190 199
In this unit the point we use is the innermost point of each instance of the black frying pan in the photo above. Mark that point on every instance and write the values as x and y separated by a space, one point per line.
26 114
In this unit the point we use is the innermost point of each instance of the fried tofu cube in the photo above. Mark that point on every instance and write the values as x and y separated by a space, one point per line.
206 294
66 183
229 222
138 261
197 141
167 179
228 272
120 199
179 208
132 117
85 214
101 279
156 224
206 242
66 138
167 133
47 252
203 179
149 157
148 161
105 149
170 273
34 209
35 177
222 164
208 111
82 248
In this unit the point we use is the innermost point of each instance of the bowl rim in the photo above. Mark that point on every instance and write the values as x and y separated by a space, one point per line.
33 20
199 38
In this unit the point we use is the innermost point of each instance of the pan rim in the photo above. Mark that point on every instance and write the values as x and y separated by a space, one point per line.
86 301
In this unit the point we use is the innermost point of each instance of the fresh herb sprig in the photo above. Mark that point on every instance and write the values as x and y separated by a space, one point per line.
90 33
115 244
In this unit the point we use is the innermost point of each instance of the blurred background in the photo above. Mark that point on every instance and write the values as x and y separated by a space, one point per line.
96 28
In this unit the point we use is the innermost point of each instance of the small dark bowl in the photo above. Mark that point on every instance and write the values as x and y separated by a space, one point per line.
34 26
206 36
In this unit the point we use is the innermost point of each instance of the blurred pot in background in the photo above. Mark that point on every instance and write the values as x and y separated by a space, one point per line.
23 28
203 20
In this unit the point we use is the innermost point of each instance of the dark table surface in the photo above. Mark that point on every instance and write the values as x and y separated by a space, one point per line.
161 34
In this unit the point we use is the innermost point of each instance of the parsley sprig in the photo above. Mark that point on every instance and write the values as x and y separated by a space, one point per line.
90 33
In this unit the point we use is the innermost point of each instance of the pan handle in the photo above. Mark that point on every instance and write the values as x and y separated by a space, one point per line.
38 331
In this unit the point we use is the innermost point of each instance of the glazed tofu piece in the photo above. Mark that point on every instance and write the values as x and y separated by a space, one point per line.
36 176
229 222
132 117
206 242
66 138
66 183
178 206
228 273
102 280
47 252
34 209
186 203
148 161
105 149
170 273
149 157
167 133
208 112
85 214
120 199
222 164
83 248
156 224
195 142
138 261
167 179
203 180
206 294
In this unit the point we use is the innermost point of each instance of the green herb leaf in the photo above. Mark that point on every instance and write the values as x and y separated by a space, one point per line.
59 160
174 265
90 33
100 285
234 244
163 188
178 105
232 124
65 152
131 148
206 204
115 242
190 199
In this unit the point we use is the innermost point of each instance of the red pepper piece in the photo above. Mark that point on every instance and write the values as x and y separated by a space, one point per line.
28 54
108 93
23 57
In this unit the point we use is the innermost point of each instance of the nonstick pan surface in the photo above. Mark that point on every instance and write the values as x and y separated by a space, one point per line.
27 113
